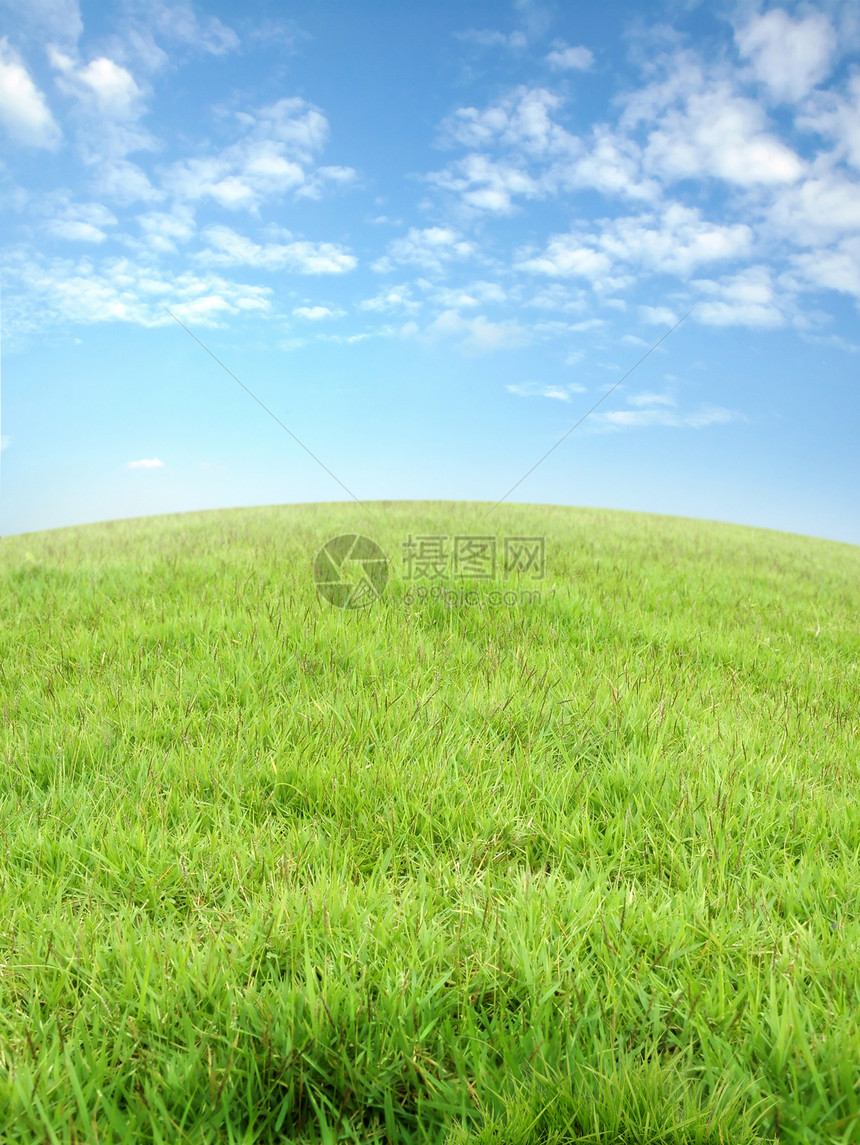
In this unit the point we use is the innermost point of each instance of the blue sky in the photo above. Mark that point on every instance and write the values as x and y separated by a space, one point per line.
429 237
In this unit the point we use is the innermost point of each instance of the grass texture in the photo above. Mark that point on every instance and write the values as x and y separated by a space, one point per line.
576 869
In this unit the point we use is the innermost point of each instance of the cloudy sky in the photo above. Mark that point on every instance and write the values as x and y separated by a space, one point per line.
428 238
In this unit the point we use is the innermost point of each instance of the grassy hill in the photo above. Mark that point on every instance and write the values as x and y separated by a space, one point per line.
472 864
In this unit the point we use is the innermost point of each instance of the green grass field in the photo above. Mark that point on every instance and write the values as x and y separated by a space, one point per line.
577 869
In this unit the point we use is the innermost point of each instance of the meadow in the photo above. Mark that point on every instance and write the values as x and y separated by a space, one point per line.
575 868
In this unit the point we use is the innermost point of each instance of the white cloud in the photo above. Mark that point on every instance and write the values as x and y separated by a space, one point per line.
833 340
640 418
489 39
474 335
520 120
536 15
24 111
695 121
228 248
570 59
48 19
393 299
192 179
556 296
721 135
675 242
146 25
272 30
52 291
559 393
322 177
817 210
103 83
553 328
292 121
698 126
744 299
81 222
473 294
565 256
178 21
76 231
163 230
831 114
485 184
658 315
275 156
317 313
124 182
650 399
789 56
431 248
542 158
834 269
109 105
611 164
146 463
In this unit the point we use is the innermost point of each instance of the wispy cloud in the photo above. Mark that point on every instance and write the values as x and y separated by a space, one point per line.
177 22
146 463
317 313
229 248
835 269
393 299
154 33
676 242
642 418
658 315
430 248
24 111
520 120
102 83
486 38
789 56
564 58
80 222
163 231
650 399
559 392
476 335
745 299
48 21
56 291
275 156
470 295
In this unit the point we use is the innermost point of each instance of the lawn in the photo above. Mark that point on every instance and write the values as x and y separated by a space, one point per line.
564 859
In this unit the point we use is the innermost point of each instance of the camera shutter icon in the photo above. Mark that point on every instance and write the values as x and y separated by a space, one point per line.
351 571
